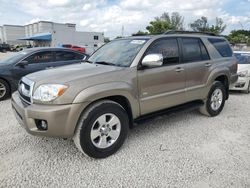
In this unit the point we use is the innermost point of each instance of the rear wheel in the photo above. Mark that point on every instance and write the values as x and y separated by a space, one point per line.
102 129
4 90
215 101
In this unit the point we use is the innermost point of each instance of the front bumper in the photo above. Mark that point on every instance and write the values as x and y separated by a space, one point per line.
241 84
61 119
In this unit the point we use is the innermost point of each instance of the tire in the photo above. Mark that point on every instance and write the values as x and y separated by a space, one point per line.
4 90
90 132
248 89
209 108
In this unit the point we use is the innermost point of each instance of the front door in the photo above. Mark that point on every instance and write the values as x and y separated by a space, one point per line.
164 86
36 62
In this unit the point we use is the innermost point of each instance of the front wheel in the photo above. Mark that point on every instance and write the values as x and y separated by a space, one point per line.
102 129
215 101
4 90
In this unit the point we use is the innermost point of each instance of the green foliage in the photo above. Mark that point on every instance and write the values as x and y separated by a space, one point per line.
140 33
165 23
202 25
239 36
106 40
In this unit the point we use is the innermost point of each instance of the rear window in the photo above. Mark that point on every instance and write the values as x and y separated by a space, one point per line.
222 47
243 58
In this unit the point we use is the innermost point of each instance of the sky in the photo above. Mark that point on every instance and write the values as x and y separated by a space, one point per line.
109 16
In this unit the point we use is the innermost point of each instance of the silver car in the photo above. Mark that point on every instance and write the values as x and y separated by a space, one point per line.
243 83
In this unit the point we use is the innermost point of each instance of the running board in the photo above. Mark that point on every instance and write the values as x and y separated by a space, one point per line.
190 106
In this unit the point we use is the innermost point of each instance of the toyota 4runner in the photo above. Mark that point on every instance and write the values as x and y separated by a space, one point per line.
97 101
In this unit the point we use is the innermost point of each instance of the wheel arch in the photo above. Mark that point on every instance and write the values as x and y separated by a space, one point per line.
224 79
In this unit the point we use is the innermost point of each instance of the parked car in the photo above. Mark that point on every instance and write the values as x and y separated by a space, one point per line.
18 48
4 47
14 67
127 79
243 83
76 48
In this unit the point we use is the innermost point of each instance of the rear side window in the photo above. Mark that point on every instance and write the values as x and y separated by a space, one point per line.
194 50
222 47
40 57
168 48
67 56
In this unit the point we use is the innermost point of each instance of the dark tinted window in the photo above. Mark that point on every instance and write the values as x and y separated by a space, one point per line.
67 56
168 48
222 47
40 57
243 58
96 37
204 53
194 50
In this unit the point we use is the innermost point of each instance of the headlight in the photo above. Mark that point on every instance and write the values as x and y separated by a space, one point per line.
243 73
49 92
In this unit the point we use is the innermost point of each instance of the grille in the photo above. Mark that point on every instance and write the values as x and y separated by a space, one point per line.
25 90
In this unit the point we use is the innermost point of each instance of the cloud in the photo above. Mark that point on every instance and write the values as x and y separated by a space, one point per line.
110 16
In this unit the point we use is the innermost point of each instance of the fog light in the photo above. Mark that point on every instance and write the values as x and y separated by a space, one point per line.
41 124
44 125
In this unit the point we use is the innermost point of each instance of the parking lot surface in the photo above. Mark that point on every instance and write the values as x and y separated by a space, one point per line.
184 149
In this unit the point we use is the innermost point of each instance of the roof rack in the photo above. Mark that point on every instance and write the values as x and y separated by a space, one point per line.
189 32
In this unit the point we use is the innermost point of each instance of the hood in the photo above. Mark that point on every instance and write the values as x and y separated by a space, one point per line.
71 73
243 67
81 76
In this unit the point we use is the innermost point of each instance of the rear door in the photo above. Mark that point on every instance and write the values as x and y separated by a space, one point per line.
198 64
164 86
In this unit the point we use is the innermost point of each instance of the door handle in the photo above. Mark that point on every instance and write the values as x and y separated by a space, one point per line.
179 69
208 65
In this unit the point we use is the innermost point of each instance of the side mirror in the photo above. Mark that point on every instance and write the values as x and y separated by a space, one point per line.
152 60
23 64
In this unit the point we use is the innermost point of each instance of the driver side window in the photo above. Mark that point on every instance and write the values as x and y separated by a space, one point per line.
40 57
168 48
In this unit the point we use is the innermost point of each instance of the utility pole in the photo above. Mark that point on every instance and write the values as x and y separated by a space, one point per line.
122 31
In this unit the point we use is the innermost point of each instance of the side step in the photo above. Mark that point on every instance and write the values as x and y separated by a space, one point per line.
190 106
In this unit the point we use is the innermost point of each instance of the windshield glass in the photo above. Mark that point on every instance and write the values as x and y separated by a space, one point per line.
13 58
243 58
118 52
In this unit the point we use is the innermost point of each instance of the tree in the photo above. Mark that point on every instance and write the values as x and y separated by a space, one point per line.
165 22
202 25
106 40
140 33
239 36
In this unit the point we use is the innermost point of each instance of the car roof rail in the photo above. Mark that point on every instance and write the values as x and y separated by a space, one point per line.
189 32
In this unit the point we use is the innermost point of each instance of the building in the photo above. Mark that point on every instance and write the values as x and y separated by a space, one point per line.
44 33
10 33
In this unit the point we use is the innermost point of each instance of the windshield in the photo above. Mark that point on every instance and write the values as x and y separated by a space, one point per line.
118 52
243 58
13 58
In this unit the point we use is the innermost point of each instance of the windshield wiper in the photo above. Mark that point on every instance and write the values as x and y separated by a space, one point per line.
105 63
87 61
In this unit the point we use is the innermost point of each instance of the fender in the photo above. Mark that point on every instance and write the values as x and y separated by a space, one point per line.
222 71
110 89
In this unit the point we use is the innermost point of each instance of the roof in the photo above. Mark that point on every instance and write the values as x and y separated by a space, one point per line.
39 36
49 48
242 52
